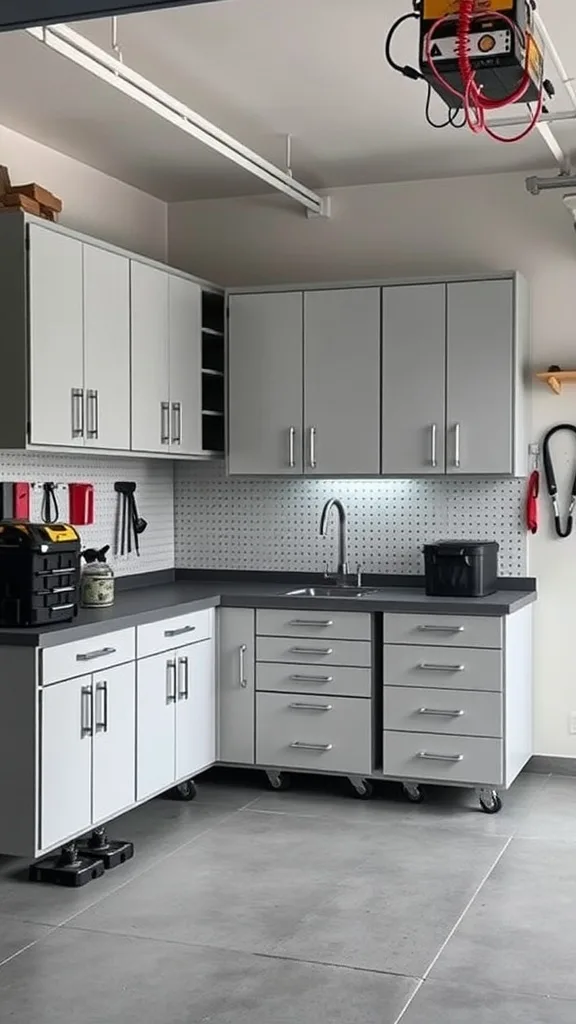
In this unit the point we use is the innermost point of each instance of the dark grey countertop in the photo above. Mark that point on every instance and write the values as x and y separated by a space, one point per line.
150 603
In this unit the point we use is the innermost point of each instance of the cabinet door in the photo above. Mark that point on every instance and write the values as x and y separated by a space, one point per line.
66 714
150 378
236 686
107 348
480 410
155 716
342 381
114 745
413 379
196 709
265 384
185 332
56 339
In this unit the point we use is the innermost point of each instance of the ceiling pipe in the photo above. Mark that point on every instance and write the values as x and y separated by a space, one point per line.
120 76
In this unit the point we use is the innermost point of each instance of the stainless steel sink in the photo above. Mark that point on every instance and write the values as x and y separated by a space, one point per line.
331 592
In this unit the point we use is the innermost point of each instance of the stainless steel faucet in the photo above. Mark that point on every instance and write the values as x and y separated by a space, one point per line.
342 538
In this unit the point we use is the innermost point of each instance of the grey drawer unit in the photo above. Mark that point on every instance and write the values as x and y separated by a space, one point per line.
337 681
448 712
435 667
320 734
443 630
451 759
356 653
323 624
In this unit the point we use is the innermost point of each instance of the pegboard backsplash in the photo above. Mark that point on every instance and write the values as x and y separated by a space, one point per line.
272 524
154 494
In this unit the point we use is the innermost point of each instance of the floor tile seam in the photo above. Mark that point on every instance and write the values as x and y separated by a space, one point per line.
150 867
468 906
410 1000
523 992
36 942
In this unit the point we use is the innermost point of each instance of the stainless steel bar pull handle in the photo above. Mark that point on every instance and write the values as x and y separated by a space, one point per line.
176 423
324 651
164 422
292 447
171 681
183 683
313 461
425 667
451 758
86 711
92 414
77 395
312 679
92 655
296 706
320 747
180 631
102 719
324 624
457 446
440 712
241 656
441 629
433 441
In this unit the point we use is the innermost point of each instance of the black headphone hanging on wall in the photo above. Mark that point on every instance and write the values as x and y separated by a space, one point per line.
553 486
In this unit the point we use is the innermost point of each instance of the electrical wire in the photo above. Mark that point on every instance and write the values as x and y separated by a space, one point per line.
450 121
410 72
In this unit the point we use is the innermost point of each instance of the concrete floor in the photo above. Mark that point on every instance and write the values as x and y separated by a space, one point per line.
308 907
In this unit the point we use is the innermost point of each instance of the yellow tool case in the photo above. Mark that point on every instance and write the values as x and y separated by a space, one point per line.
39 573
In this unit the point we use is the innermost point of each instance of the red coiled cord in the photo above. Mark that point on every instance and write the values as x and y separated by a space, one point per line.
476 104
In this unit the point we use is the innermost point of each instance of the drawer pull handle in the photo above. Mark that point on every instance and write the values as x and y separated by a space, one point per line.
452 758
320 747
311 707
441 712
325 651
441 629
179 632
426 667
91 655
312 679
325 623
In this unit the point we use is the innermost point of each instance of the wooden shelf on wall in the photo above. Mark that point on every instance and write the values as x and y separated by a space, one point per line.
556 378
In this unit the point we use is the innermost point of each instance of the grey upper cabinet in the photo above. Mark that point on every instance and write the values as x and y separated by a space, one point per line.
413 379
265 384
481 364
150 363
185 359
342 381
106 349
56 339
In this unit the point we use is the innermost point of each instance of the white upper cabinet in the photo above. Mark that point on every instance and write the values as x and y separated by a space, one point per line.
57 401
150 362
106 349
185 359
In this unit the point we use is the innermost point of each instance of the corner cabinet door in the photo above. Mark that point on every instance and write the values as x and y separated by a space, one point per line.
156 717
67 722
185 356
342 381
480 410
196 709
114 745
413 379
56 339
150 376
236 686
265 384
107 348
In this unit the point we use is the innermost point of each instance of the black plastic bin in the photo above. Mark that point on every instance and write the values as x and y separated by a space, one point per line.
461 568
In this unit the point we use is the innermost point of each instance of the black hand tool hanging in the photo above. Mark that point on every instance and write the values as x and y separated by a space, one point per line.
551 481
131 523
50 508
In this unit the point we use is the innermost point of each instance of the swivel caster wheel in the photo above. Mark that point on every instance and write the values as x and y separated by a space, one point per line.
362 789
490 801
186 790
279 780
413 793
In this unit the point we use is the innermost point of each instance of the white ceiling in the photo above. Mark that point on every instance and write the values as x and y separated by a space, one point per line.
260 69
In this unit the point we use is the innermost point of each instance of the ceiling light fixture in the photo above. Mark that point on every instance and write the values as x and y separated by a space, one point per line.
120 76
